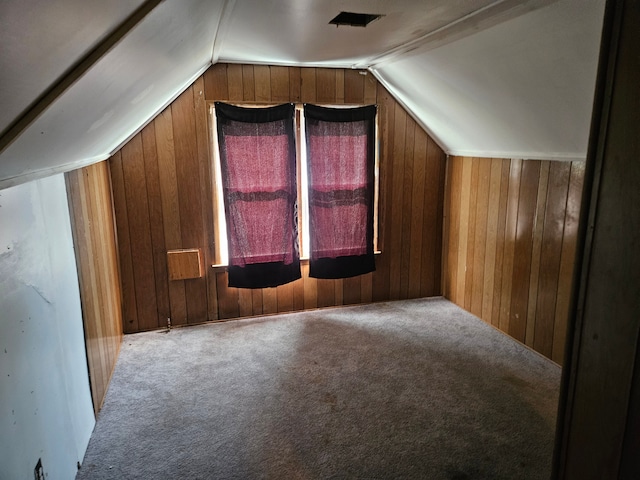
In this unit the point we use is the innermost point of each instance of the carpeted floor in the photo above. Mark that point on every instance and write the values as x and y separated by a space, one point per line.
415 389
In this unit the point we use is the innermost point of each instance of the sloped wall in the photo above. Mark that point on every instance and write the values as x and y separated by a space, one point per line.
45 402
163 200
510 240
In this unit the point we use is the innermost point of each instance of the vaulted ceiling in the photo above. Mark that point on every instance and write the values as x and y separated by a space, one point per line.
500 78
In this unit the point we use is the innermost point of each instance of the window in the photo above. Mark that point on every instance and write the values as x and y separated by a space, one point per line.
304 211
341 163
258 176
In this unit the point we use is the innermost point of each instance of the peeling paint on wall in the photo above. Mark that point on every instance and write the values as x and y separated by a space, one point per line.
45 409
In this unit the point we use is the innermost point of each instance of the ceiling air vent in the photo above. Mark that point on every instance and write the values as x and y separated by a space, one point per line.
354 19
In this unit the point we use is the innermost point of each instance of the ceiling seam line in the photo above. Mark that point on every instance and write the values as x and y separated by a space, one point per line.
221 29
73 74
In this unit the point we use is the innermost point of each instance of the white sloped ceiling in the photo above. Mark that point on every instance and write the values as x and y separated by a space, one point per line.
521 89
161 56
41 39
510 78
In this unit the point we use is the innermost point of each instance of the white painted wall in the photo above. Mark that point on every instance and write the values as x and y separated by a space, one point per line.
45 401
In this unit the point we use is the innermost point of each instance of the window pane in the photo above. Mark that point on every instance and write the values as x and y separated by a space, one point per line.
341 161
257 159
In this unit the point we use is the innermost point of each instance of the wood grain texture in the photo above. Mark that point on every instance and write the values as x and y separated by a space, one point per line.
137 200
521 216
551 252
567 260
91 210
129 305
386 119
170 208
174 164
189 197
523 247
150 155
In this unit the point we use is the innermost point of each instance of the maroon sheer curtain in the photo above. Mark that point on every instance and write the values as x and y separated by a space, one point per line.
340 160
258 163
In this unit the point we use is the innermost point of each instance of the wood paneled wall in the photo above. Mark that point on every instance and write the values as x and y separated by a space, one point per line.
90 206
163 200
510 240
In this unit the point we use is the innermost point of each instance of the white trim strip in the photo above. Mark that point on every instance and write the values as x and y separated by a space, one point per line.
47 172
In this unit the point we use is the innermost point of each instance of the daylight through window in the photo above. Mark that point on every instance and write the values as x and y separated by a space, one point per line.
346 197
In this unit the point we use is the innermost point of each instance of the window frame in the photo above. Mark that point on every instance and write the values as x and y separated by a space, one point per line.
221 258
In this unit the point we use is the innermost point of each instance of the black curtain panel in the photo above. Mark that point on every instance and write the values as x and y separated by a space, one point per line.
258 164
340 165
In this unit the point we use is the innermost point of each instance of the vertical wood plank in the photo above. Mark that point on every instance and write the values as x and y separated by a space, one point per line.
216 82
298 293
339 86
205 175
256 300
156 222
338 286
112 315
535 252
248 84
285 297
326 85
352 293
407 212
308 85
567 260
370 89
471 233
550 256
420 160
438 230
397 198
386 119
509 243
463 235
354 86
90 208
140 232
262 75
500 241
310 288
326 292
129 306
189 198
235 83
170 208
245 302
523 247
228 297
280 84
455 192
269 300
366 288
480 239
101 221
492 238
83 246
294 84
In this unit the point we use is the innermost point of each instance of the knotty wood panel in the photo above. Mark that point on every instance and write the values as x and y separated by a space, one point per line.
90 205
510 244
170 163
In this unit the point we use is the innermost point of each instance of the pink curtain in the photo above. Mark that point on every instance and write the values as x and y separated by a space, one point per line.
340 160
258 163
